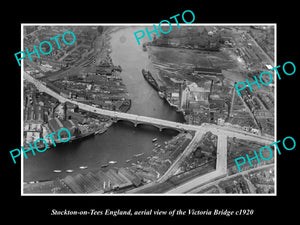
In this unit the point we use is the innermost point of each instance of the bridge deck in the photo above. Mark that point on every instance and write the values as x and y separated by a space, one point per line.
150 120
221 131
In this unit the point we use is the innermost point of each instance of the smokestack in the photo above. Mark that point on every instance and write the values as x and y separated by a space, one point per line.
53 109
210 91
65 111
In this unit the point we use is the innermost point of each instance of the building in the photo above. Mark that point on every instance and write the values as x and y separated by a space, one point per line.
174 98
34 113
77 117
70 125
220 121
192 94
254 131
207 71
56 124
71 107
184 95
104 69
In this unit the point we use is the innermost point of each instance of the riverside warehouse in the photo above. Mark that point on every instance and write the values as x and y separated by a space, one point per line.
36 145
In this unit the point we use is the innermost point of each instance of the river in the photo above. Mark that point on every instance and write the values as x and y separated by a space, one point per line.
122 140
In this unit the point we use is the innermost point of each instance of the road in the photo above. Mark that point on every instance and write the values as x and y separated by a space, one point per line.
222 153
233 132
132 117
216 129
199 181
221 168
221 131
199 188
188 150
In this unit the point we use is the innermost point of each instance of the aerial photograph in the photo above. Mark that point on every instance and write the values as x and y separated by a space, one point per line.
162 117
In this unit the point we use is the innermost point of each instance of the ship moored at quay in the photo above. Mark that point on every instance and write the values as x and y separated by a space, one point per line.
149 78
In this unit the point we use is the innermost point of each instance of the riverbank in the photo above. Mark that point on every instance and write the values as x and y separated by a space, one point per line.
163 94
141 169
122 140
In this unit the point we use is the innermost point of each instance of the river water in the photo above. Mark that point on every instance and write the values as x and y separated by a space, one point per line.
122 140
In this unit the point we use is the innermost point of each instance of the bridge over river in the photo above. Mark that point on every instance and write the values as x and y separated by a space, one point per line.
137 119
221 131
116 116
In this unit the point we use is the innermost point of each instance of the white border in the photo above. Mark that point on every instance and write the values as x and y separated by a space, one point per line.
22 111
151 24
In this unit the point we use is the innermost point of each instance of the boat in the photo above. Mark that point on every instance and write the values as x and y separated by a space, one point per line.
128 160
148 77
83 167
118 68
56 171
73 139
125 105
158 146
100 131
69 171
161 94
112 162
137 155
154 139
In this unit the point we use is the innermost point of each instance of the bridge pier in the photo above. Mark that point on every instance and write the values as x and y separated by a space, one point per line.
114 119
135 123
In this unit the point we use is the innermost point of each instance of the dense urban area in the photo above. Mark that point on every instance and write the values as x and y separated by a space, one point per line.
193 69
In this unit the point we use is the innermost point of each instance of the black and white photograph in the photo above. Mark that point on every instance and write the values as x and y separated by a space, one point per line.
144 112
159 116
